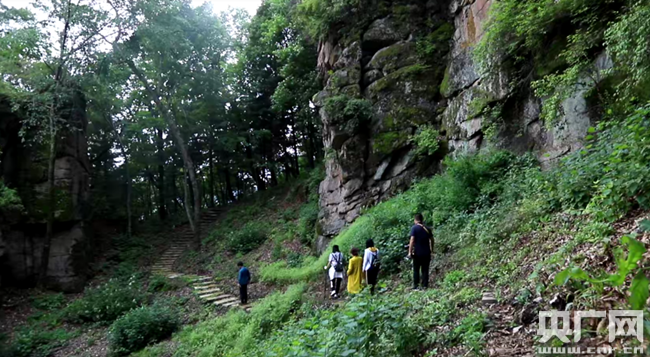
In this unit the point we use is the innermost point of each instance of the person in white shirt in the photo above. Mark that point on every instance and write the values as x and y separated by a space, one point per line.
336 267
371 264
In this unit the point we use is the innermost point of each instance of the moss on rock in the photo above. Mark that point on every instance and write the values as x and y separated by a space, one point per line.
387 142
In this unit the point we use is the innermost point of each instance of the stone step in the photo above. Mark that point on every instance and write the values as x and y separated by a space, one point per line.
225 301
204 287
208 292
200 279
214 297
488 298
231 304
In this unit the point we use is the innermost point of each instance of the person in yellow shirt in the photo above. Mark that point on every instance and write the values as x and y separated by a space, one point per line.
355 273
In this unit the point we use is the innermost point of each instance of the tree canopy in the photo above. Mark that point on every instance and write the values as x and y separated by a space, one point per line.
187 109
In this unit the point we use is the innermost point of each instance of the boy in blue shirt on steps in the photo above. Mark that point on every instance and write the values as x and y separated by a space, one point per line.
243 278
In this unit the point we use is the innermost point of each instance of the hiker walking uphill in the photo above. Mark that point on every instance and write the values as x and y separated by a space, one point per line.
420 249
336 269
371 264
243 278
355 272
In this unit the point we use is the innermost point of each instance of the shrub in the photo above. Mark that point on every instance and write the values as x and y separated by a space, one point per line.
163 283
247 238
351 113
468 182
106 302
48 301
307 221
140 327
366 326
426 140
318 16
35 342
9 199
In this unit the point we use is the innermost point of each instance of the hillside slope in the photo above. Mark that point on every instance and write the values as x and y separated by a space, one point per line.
503 226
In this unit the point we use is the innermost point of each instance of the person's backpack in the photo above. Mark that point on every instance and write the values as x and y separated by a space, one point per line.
374 260
339 264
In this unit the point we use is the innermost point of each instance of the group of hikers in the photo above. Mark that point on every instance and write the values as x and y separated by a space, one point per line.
364 271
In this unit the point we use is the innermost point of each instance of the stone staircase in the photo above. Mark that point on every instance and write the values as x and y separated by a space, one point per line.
204 286
208 291
182 238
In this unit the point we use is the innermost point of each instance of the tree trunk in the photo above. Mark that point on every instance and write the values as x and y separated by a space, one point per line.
255 173
174 189
129 189
127 176
211 176
162 210
274 177
229 194
186 204
182 147
295 145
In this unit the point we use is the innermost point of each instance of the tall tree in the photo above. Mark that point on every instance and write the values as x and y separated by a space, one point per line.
170 49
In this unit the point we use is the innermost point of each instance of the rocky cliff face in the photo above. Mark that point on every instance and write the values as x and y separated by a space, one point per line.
413 66
24 167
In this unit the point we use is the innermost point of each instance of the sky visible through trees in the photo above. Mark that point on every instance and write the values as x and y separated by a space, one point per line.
188 106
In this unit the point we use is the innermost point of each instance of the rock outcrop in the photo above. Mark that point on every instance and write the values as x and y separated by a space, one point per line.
24 167
413 65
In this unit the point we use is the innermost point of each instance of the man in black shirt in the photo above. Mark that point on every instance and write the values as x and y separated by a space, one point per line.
420 249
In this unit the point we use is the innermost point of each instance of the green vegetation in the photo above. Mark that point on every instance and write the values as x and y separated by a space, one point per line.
140 327
426 140
30 342
520 32
625 265
317 17
432 47
352 112
481 208
42 333
236 102
247 237
160 283
281 221
385 143
237 333
9 199
467 184
106 302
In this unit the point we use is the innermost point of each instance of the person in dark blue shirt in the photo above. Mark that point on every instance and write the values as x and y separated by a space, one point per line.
243 278
420 249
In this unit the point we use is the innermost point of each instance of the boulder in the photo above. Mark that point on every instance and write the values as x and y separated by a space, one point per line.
383 32
391 58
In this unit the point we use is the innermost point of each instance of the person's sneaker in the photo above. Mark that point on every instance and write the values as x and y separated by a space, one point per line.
416 288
